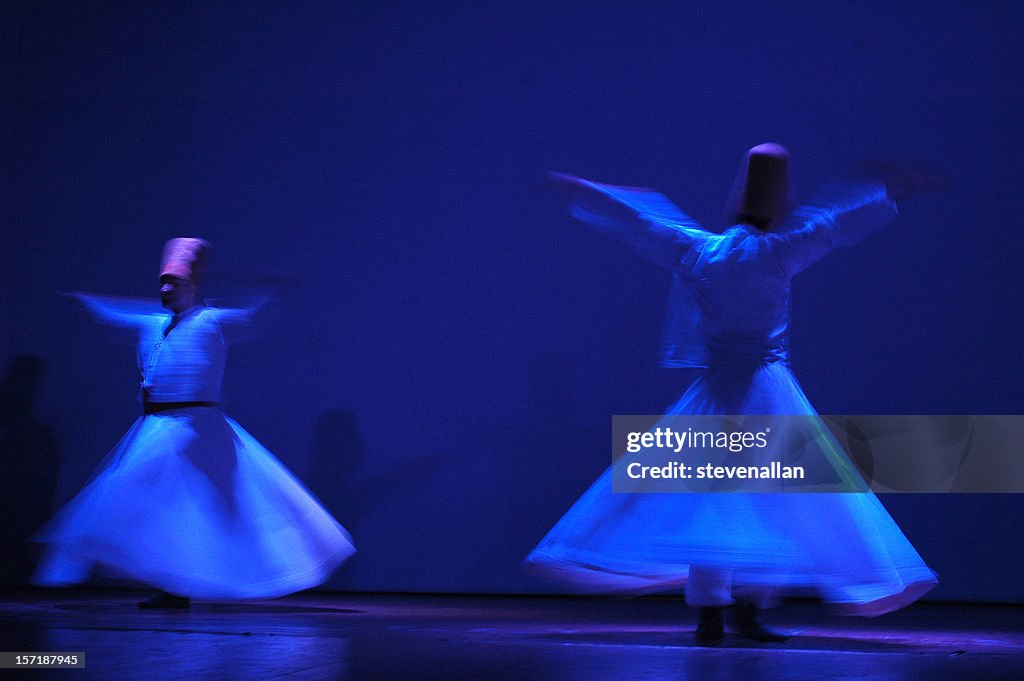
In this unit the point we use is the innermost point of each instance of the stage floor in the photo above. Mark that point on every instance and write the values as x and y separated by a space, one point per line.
407 637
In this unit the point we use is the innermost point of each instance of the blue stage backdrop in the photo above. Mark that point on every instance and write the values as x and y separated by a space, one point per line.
444 371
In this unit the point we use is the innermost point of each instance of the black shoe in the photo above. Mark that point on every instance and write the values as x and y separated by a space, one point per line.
745 620
165 601
710 627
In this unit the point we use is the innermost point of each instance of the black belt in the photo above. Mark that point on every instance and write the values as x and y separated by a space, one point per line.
157 407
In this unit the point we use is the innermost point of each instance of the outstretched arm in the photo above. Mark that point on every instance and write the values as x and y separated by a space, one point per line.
643 219
124 313
847 212
235 314
840 216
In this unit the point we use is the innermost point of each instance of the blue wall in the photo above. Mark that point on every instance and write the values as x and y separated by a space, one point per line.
444 373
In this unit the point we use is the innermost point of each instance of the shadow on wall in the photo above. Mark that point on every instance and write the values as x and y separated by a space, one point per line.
463 518
556 458
355 493
336 463
29 465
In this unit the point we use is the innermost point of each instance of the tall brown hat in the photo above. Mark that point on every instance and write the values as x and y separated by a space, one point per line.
185 257
761 192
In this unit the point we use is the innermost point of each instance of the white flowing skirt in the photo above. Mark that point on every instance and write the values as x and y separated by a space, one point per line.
843 545
191 503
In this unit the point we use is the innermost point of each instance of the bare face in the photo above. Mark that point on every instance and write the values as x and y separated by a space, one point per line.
177 294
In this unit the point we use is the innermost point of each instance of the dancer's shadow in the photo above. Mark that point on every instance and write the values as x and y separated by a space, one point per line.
341 479
29 465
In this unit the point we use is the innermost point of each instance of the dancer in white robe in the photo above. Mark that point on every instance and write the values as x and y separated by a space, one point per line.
188 502
729 316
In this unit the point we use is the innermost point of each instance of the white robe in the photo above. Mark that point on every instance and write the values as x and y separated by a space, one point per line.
729 314
188 501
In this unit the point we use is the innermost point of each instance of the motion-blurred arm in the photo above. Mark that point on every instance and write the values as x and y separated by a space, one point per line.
842 215
120 312
643 219
236 313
